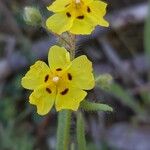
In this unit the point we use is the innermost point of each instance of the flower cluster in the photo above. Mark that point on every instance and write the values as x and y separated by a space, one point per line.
64 81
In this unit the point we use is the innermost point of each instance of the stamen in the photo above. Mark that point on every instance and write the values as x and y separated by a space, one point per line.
77 1
55 79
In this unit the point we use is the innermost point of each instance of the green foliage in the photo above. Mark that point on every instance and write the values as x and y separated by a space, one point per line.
147 44
102 146
80 131
12 136
92 146
147 35
89 106
125 97
11 139
7 110
14 89
146 97
63 130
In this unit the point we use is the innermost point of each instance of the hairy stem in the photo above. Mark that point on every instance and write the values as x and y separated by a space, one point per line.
63 130
80 132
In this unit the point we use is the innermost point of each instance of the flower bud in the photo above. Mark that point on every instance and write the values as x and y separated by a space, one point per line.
104 81
32 16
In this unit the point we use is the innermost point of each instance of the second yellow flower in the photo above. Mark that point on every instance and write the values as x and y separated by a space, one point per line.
76 16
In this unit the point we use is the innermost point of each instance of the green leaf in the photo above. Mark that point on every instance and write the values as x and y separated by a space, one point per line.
81 132
125 97
104 81
90 106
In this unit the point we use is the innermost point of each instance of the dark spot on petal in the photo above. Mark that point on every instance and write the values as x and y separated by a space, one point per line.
88 9
64 92
80 17
67 5
46 78
58 69
69 76
68 14
48 90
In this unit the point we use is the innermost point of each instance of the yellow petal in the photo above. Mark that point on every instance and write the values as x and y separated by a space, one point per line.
98 10
87 1
81 73
44 99
35 76
58 57
69 98
59 5
82 26
59 22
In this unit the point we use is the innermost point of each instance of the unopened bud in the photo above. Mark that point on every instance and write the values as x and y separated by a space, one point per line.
104 81
32 16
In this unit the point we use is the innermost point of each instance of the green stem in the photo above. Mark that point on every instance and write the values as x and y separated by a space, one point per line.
72 39
57 35
63 130
80 132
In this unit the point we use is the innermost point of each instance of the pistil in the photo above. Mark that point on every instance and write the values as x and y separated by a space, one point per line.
77 1
55 79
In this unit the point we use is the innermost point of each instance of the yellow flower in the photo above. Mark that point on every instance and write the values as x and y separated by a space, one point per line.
76 16
63 83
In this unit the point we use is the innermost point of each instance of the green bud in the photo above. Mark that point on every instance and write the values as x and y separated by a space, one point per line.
104 81
90 106
32 16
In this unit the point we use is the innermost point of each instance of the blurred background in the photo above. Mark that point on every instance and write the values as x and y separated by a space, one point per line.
122 50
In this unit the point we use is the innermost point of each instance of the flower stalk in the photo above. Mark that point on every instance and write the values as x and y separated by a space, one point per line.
72 49
64 117
81 132
63 130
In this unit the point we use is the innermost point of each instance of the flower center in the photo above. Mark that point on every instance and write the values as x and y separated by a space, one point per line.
55 79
